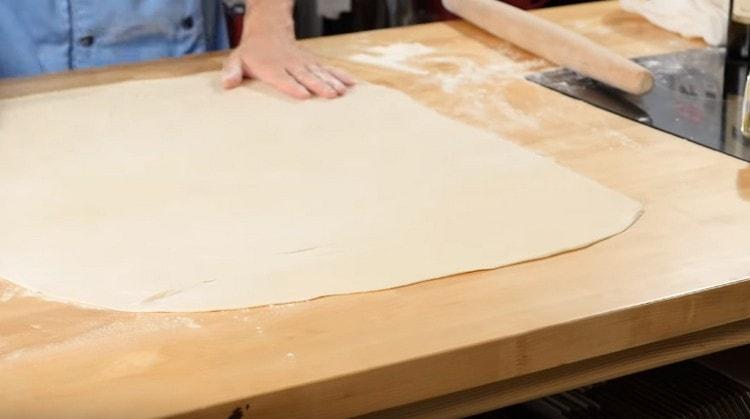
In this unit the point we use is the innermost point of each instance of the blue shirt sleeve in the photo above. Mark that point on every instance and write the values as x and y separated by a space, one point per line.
56 35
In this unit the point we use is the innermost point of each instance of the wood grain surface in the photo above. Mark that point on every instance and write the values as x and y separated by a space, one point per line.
554 43
683 268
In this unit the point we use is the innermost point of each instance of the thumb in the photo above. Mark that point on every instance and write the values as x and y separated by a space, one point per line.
231 73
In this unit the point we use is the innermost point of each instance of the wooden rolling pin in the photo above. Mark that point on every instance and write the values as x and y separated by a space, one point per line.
554 43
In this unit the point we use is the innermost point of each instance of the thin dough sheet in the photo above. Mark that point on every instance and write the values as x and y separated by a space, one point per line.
173 195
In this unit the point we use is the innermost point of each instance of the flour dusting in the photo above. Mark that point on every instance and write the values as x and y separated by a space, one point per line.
123 330
187 322
592 27
10 292
470 80
468 72
621 139
395 56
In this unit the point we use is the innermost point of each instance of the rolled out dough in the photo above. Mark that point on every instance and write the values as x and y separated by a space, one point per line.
172 195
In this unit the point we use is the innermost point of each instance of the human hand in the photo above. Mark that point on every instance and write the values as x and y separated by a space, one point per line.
269 52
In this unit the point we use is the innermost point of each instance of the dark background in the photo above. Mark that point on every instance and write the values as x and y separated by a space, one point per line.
368 14
373 14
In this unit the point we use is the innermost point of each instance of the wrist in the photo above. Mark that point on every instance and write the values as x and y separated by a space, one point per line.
269 18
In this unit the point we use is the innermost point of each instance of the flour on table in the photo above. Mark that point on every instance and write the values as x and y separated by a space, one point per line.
398 56
463 76
468 72
123 330
416 58
591 27
11 292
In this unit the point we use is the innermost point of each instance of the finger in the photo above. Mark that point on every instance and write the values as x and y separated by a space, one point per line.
329 78
342 75
284 82
231 72
314 83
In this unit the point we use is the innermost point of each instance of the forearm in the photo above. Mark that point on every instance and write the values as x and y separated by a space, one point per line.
266 17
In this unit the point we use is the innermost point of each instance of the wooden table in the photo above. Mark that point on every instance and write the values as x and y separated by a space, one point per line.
672 287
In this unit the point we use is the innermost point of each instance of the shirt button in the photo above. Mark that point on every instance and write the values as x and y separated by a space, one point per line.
187 23
86 41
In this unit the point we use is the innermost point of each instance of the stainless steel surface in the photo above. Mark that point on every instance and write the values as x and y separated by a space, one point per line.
696 96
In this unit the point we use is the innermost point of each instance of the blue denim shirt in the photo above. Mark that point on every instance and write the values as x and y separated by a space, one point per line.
39 36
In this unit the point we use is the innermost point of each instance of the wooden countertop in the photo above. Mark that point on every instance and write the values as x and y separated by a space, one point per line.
683 268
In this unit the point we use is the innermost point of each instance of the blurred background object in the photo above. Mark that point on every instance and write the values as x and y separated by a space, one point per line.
705 19
332 17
